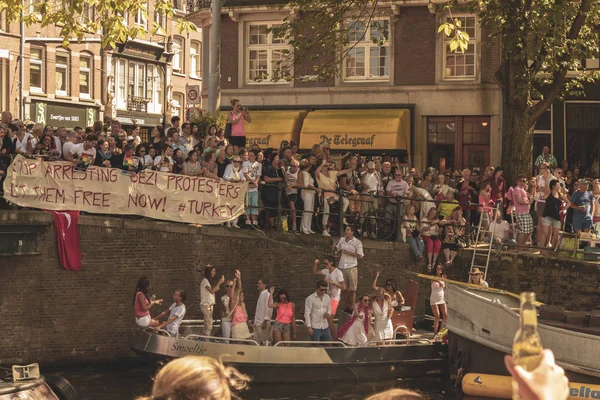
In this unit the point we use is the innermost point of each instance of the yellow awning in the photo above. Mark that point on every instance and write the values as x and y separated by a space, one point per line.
383 129
270 128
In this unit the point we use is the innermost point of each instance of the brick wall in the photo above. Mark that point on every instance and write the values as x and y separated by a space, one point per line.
56 315
414 41
490 55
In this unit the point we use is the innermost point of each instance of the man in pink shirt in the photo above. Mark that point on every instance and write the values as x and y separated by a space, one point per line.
522 216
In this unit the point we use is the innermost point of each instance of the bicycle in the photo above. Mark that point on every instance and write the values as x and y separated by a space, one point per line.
378 223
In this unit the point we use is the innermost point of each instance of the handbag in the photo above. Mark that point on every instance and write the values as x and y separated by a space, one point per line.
460 241
415 233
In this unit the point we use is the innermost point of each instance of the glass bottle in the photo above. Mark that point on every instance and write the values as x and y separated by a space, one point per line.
527 346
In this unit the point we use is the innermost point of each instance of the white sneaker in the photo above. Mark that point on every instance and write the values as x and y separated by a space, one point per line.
326 233
311 231
235 225
227 225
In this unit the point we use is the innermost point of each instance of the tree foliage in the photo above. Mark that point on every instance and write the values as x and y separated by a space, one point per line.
83 18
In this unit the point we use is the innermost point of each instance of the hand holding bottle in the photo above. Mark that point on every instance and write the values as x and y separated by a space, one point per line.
546 382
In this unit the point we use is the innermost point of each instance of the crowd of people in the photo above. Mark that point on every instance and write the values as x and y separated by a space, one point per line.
312 187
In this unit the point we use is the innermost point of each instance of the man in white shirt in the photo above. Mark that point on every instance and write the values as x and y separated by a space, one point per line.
351 249
69 146
176 313
262 316
88 147
24 142
252 170
334 278
317 314
499 230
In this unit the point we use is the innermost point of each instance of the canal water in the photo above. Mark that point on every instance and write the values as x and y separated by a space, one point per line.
127 380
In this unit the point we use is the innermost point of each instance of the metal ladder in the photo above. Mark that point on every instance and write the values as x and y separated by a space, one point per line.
481 256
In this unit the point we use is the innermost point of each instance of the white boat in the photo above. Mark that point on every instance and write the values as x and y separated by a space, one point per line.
482 325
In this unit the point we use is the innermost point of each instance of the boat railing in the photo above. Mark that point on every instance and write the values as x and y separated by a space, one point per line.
388 342
152 330
219 339
305 342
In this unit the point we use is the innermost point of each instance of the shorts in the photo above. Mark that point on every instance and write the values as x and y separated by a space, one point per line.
292 197
539 208
334 306
451 246
252 208
351 278
278 326
144 321
524 223
239 141
581 222
547 221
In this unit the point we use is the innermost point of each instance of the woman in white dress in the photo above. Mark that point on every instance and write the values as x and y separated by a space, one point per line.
382 311
437 301
354 332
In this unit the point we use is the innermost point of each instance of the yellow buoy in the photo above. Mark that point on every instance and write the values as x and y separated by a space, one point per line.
499 387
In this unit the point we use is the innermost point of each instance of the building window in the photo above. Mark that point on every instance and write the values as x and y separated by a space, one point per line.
196 59
178 50
179 5
368 56
141 17
3 22
121 84
85 75
62 73
36 69
87 14
457 64
177 104
266 54
154 89
161 21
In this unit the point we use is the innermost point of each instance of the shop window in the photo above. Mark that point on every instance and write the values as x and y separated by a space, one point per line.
196 59
368 55
62 73
86 74
265 54
37 59
178 57
476 130
441 135
457 64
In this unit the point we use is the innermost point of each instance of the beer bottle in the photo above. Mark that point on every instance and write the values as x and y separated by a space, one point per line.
527 346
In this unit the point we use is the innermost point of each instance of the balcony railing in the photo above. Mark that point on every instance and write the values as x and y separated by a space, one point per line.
138 104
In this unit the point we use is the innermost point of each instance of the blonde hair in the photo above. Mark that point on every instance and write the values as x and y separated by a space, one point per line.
37 130
197 378
395 394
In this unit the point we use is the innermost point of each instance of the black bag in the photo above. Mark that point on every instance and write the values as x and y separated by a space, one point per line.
228 131
415 233
433 237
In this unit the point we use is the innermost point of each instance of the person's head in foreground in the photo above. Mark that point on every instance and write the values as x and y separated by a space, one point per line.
197 378
396 394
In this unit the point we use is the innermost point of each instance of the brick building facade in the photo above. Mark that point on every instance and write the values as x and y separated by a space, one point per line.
141 81
452 100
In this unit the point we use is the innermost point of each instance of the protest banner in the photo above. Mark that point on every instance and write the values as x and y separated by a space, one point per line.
159 195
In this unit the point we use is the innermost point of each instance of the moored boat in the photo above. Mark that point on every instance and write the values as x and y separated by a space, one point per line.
303 361
25 382
482 324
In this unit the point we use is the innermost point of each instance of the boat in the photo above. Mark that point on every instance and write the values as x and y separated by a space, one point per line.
302 361
25 382
415 355
482 324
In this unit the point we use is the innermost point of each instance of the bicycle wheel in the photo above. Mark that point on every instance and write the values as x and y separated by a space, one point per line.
379 224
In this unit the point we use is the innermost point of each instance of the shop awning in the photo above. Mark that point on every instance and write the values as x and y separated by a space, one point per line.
356 129
270 128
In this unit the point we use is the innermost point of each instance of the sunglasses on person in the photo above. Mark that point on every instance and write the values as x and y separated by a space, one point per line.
366 301
236 161
524 180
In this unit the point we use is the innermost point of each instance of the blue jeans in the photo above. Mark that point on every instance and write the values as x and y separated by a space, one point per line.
321 335
417 245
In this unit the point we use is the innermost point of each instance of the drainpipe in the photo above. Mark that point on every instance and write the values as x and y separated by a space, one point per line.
214 78
22 66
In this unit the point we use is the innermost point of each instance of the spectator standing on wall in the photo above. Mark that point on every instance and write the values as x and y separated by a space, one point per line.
351 249
236 118
207 296
522 203
252 170
582 203
546 157
396 187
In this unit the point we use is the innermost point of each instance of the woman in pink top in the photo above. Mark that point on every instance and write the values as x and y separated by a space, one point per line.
142 304
285 323
236 118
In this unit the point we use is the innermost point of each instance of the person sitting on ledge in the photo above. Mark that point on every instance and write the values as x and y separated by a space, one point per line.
176 313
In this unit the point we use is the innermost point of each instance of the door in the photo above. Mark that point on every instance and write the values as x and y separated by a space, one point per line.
476 156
